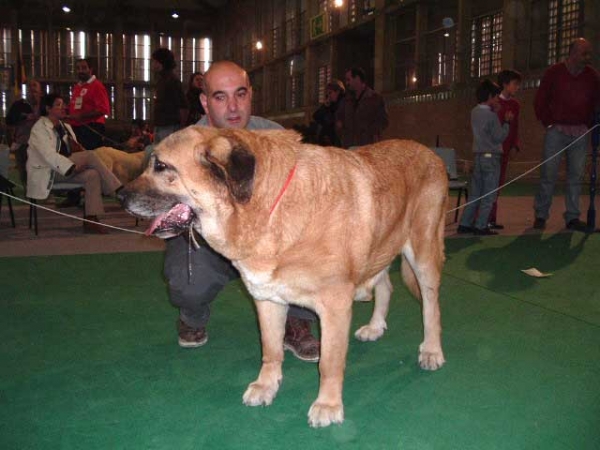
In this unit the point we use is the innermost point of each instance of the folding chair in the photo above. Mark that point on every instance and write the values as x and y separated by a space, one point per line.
6 185
448 155
56 187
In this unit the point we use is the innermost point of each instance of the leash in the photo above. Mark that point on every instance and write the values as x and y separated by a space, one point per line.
104 138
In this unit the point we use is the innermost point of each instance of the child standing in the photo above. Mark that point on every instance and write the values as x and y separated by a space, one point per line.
510 82
488 135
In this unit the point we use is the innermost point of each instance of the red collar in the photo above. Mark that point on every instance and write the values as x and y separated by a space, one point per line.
285 186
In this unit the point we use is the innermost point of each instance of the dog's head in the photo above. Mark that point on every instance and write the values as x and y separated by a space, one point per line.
197 177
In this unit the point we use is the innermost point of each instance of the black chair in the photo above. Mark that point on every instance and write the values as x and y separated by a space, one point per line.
448 155
56 187
6 186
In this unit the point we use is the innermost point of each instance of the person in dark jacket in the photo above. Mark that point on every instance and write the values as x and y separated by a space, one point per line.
325 115
170 105
196 110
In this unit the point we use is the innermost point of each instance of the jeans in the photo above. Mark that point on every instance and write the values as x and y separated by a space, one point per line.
486 174
210 273
555 141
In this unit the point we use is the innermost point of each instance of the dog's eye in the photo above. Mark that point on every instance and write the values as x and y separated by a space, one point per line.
159 166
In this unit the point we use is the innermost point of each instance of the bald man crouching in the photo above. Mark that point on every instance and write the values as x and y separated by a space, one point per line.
227 100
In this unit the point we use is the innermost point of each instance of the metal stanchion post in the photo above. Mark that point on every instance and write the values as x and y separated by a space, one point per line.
591 215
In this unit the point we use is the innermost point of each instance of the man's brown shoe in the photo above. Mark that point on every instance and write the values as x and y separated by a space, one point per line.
300 341
94 228
191 337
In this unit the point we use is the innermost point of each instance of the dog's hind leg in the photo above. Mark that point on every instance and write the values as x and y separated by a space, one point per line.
377 325
426 262
272 317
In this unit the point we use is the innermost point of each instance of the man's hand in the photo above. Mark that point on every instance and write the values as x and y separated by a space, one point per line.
509 116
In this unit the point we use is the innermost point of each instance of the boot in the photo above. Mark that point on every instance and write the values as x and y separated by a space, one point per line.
299 340
94 228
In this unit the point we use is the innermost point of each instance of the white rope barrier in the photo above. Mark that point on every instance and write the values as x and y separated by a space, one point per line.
447 212
524 173
81 219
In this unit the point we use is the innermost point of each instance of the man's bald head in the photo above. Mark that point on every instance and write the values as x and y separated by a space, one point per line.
222 69
580 53
227 95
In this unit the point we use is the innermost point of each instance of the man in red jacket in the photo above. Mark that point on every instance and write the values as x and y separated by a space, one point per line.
565 103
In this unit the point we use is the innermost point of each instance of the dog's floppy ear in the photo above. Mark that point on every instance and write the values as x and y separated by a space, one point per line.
233 163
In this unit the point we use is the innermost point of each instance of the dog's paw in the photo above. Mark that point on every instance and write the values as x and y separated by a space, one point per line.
321 415
431 359
369 333
259 394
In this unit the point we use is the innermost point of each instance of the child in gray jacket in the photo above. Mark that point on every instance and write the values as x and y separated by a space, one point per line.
488 135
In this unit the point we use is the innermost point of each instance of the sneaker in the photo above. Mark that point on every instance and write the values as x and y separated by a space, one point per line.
539 224
299 340
484 232
495 226
190 337
464 230
577 225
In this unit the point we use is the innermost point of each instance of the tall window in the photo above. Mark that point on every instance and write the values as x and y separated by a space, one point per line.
486 45
71 45
136 56
440 65
34 48
5 46
295 88
103 53
5 74
323 77
405 71
565 20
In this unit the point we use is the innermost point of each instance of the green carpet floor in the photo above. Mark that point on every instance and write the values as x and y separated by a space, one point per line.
89 360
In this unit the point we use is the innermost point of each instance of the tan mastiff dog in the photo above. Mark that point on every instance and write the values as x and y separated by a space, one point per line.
306 225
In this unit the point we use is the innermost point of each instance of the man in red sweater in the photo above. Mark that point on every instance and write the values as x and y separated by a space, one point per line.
565 103
88 107
510 82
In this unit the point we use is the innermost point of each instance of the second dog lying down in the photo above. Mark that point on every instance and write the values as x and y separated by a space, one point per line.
125 166
306 225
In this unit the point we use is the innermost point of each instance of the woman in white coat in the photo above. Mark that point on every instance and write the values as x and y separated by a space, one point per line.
54 155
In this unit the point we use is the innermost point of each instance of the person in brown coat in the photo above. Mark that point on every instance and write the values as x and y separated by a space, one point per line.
363 116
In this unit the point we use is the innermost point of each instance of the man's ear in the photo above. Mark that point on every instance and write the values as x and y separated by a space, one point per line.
232 162
204 101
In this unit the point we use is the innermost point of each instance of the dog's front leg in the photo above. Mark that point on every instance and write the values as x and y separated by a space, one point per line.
272 317
335 327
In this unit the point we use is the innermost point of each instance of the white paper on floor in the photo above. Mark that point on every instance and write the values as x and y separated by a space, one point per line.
533 272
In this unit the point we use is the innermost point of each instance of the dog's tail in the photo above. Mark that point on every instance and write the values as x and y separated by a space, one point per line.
410 279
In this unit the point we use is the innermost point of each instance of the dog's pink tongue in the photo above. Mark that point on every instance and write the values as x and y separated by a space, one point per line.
155 223
178 214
